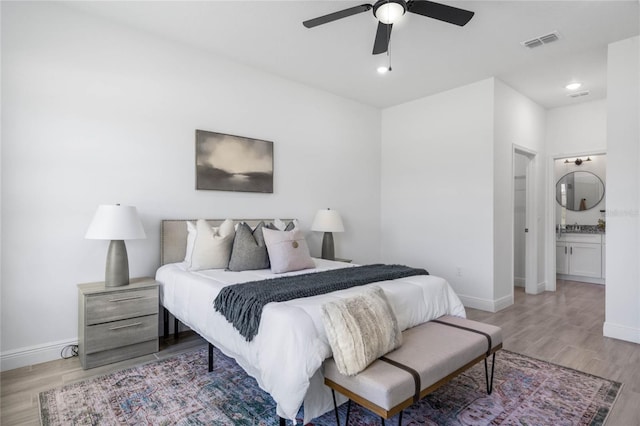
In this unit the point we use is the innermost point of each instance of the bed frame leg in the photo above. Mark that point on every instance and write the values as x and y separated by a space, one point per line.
486 373
165 316
210 357
400 418
175 329
283 422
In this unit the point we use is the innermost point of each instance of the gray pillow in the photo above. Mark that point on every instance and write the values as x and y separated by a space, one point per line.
249 250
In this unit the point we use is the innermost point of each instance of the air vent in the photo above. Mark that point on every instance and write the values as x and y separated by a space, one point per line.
543 39
578 94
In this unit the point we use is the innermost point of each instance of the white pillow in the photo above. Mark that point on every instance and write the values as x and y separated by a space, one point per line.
288 250
212 246
360 329
191 239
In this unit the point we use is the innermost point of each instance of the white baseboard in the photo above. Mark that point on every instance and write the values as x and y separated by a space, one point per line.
33 354
503 302
486 304
581 279
621 332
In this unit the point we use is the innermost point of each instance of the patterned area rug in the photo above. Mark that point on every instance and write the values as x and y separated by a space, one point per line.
179 391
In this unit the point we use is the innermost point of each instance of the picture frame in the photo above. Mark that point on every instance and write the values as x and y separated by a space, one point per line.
233 163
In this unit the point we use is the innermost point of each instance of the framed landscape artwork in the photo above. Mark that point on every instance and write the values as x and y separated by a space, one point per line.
233 163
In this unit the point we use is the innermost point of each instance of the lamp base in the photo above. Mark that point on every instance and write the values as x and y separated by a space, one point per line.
327 246
117 270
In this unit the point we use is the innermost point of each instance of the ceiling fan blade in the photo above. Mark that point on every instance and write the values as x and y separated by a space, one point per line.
439 11
336 15
382 38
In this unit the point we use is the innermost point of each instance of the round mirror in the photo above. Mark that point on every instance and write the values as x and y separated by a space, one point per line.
578 191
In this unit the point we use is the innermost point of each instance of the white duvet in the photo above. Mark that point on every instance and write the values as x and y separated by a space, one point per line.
291 344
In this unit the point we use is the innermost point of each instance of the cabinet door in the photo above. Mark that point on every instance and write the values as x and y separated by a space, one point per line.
562 258
585 260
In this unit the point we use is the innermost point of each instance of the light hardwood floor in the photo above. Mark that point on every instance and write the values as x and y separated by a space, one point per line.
564 327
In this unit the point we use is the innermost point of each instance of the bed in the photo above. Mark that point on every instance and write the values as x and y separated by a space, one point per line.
290 333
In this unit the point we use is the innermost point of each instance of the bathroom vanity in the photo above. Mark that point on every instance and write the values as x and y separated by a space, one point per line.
580 257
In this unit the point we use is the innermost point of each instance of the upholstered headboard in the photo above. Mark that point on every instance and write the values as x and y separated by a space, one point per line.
173 236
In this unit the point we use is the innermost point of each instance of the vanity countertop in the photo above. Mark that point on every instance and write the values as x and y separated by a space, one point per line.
582 229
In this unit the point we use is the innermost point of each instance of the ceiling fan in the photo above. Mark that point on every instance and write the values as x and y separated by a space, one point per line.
389 11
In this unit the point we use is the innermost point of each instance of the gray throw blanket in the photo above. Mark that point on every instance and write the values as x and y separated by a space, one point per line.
242 304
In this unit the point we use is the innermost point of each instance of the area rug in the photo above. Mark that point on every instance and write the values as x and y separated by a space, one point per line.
180 391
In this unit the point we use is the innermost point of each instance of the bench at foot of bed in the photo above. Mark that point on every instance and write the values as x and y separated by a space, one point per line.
431 355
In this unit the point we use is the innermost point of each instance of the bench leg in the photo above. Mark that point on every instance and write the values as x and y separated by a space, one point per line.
486 373
283 422
400 418
210 357
382 420
335 407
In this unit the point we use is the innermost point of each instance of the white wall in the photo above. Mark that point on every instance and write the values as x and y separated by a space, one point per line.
447 186
575 129
623 196
571 132
519 122
97 113
437 188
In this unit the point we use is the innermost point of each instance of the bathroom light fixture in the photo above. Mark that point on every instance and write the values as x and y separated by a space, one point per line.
573 86
577 161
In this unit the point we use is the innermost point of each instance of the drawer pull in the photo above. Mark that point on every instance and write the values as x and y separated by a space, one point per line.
124 326
122 299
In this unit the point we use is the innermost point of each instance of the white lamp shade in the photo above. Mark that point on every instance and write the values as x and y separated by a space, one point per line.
115 222
327 221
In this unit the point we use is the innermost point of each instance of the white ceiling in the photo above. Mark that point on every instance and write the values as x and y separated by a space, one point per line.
427 56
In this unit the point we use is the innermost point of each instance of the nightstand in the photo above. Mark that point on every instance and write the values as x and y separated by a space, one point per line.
117 323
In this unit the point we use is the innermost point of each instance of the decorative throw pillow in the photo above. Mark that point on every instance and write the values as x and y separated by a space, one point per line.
191 239
360 329
282 226
288 250
212 246
249 249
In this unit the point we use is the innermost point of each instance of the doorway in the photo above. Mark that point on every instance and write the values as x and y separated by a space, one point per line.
524 225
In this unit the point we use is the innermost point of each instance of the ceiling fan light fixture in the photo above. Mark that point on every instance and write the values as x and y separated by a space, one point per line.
389 11
383 69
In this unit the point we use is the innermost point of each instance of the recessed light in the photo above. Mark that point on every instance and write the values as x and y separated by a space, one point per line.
573 86
384 69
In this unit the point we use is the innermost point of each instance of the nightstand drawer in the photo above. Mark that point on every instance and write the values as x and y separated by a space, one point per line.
101 308
116 334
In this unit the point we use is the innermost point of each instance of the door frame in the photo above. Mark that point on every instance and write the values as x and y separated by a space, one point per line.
531 223
551 213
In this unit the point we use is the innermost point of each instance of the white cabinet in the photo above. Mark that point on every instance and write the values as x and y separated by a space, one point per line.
562 258
580 256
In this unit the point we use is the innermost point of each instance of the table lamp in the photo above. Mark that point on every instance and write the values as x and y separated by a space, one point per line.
327 221
116 223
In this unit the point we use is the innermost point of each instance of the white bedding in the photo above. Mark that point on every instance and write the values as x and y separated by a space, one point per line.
286 355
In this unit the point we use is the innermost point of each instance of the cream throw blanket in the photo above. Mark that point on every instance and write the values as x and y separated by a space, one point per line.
360 329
